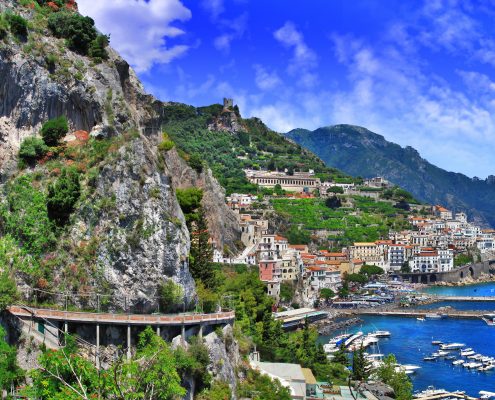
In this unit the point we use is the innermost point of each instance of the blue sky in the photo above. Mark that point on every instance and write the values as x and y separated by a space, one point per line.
421 73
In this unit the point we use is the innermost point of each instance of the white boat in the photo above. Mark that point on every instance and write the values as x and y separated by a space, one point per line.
429 392
409 369
330 348
486 395
458 362
352 338
489 319
452 346
420 319
467 349
436 342
433 316
467 353
381 334
486 367
339 339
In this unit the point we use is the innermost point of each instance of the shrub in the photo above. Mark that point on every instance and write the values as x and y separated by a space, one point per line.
196 162
8 290
63 195
97 48
4 27
171 296
32 149
25 216
51 61
189 199
53 130
18 25
79 31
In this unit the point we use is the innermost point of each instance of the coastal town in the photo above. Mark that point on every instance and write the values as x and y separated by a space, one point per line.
431 245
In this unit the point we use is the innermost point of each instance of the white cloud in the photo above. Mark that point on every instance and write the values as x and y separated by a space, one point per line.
232 29
214 7
304 59
141 29
266 80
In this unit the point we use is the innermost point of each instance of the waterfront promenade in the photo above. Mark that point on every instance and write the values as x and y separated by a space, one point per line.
417 313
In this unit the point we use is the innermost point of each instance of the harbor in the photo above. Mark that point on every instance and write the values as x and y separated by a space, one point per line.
421 327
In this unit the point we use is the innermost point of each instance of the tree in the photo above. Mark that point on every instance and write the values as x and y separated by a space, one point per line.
201 257
335 189
286 291
18 25
344 290
327 294
196 162
32 149
370 270
403 205
356 278
171 295
79 31
8 290
359 365
189 201
333 202
340 356
398 380
97 48
63 195
10 373
405 268
54 130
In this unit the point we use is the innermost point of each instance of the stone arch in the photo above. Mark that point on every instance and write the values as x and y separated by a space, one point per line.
471 272
462 274
433 278
424 279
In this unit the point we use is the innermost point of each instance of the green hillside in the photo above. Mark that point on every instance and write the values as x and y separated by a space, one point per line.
360 152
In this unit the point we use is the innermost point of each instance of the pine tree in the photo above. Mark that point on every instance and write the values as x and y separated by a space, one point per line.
201 257
359 365
340 356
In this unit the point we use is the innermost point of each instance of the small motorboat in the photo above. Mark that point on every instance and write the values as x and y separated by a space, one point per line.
429 358
467 353
458 362
380 334
420 319
450 357
452 346
436 342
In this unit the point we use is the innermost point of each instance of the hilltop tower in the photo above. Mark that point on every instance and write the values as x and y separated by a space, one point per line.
228 103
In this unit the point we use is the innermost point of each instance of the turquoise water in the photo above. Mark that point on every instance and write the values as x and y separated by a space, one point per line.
461 305
411 341
482 289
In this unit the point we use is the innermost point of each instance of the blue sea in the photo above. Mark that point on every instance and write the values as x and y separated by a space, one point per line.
411 341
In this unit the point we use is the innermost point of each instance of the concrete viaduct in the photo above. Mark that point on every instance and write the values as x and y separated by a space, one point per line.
471 270
100 329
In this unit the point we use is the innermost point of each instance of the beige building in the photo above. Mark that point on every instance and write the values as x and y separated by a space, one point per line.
299 182
369 252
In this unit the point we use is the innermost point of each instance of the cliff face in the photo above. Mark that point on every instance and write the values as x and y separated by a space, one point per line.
133 218
223 223
141 236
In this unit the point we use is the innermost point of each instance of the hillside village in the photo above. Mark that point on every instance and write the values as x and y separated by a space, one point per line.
436 241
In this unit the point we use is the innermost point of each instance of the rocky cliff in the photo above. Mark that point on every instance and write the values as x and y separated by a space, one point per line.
128 214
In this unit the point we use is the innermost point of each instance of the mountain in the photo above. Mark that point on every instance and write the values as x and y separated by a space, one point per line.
360 152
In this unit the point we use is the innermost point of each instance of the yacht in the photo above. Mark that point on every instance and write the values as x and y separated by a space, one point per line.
330 348
354 337
486 395
489 319
429 358
339 339
436 342
429 392
420 318
466 353
458 362
452 346
433 316
381 334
